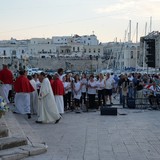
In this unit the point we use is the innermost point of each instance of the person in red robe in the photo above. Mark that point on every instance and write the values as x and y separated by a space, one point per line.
23 88
58 90
6 80
50 79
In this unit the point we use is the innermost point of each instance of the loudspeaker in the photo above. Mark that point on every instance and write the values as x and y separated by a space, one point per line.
108 110
131 103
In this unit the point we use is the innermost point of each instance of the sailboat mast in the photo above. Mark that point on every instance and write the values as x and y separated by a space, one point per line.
146 29
129 35
136 43
150 24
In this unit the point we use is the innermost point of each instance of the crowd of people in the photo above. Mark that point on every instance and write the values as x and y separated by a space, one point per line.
50 96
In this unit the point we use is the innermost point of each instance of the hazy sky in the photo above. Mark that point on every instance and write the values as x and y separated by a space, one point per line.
23 19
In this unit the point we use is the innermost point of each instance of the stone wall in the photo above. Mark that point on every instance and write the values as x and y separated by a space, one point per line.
48 63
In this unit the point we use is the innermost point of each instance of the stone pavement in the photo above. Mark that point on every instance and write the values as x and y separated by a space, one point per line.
131 135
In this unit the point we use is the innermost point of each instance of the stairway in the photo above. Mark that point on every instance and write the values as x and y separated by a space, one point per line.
14 144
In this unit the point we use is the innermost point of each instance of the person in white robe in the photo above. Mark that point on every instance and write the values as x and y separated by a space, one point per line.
23 88
58 91
47 108
22 99
6 80
33 96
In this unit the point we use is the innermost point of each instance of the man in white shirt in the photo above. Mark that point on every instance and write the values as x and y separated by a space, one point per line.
109 84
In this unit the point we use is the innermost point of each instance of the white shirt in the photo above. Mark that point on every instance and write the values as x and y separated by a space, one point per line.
38 84
84 84
66 86
109 83
155 90
100 84
92 87
77 90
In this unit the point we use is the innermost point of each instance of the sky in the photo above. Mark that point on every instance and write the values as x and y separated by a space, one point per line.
107 19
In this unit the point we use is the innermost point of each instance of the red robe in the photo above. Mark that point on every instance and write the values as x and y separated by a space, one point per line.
57 87
22 84
51 81
6 76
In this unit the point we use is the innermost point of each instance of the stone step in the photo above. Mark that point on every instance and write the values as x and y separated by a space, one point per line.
10 142
19 127
22 152
4 132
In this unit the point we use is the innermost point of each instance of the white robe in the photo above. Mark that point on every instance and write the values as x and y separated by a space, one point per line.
60 103
47 108
4 91
22 103
34 98
77 95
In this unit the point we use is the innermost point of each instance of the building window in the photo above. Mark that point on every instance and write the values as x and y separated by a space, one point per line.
4 52
73 49
131 54
138 55
67 51
99 50
22 51
89 50
94 50
122 64
123 56
78 49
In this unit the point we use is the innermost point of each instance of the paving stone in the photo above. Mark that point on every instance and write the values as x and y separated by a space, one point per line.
91 136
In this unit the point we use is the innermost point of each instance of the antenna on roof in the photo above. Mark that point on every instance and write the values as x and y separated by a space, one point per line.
150 24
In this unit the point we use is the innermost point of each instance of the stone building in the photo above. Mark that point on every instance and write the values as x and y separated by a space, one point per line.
121 55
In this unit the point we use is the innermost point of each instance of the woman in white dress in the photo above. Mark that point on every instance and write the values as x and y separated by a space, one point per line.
84 88
101 89
92 85
77 92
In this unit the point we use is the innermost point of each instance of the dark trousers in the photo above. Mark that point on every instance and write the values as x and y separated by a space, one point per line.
91 98
67 100
124 100
101 97
77 102
154 99
83 98
69 95
120 96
